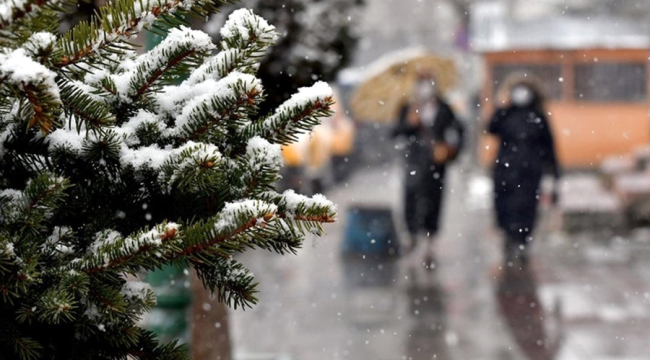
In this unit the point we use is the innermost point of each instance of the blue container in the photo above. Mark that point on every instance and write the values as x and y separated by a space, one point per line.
370 231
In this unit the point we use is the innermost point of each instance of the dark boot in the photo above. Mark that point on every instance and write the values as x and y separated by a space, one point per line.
516 251
510 251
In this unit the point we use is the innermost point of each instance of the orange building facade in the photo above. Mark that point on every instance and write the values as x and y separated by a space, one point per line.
597 99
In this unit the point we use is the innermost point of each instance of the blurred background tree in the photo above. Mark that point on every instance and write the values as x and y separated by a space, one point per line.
317 39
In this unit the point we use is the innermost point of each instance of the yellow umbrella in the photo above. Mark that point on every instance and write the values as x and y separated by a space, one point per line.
380 97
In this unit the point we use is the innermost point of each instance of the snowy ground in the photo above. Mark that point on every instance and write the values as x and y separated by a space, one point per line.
582 299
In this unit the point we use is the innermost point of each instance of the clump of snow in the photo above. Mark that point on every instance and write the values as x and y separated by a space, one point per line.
134 289
54 241
38 42
229 215
12 194
200 152
293 202
305 96
8 8
226 59
172 226
263 153
171 99
142 118
58 233
92 313
103 239
142 10
57 181
18 68
64 249
95 76
16 201
154 236
4 136
243 23
178 37
9 249
66 137
149 156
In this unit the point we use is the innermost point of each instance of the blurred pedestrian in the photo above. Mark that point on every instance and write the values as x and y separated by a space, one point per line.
343 136
318 167
434 138
526 152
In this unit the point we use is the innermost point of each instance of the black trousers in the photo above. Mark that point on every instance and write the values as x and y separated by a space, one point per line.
516 195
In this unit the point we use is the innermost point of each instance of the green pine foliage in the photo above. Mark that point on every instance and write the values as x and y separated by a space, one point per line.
110 167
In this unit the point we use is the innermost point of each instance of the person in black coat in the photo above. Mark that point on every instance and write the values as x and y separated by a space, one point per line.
433 139
526 152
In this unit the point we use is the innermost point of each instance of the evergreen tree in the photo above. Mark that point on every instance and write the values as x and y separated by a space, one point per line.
318 38
109 169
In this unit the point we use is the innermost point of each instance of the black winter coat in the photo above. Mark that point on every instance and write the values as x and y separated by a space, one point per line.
424 180
526 151
420 139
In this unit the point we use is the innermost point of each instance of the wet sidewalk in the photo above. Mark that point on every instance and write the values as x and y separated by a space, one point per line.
580 298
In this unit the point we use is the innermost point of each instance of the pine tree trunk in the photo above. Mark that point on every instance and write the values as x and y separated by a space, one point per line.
210 330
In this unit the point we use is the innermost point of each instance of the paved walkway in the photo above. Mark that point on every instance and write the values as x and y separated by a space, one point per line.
578 299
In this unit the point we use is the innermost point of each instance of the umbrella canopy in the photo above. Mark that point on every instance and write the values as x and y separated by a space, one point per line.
390 84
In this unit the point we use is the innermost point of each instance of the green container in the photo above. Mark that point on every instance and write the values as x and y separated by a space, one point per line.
169 319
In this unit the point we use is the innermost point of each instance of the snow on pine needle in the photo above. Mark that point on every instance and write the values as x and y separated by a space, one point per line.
121 162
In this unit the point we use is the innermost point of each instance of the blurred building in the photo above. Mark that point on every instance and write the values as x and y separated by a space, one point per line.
391 25
594 70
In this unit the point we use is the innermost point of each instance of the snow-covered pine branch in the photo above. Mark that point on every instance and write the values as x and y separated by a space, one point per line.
227 105
145 249
82 105
19 72
182 47
122 20
115 170
246 38
299 114
13 11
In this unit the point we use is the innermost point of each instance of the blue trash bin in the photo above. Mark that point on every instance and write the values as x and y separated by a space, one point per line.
370 231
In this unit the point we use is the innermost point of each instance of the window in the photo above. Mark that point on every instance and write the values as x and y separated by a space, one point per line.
549 76
610 82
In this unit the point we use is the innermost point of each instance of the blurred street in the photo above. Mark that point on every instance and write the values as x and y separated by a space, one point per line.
581 298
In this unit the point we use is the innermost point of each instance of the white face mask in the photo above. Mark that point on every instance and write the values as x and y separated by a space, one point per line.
521 96
425 90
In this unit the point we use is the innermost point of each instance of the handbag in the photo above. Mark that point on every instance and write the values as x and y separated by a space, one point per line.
447 149
444 153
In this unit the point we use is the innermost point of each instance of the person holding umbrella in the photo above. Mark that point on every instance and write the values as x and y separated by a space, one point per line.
434 138
526 151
